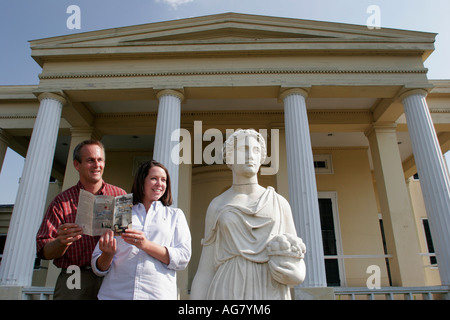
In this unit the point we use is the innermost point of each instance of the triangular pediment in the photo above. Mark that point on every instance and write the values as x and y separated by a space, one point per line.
227 32
229 28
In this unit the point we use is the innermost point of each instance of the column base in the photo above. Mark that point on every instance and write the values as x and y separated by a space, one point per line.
314 293
10 292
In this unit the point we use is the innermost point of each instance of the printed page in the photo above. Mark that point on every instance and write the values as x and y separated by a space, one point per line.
103 214
122 213
85 211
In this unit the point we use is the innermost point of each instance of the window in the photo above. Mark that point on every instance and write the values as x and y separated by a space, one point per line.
331 240
429 240
383 237
323 163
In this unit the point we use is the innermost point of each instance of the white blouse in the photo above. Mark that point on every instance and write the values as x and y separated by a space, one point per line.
135 275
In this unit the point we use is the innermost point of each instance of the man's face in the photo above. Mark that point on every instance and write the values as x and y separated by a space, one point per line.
92 164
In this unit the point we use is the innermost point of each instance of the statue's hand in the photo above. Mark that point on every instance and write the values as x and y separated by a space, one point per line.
286 253
287 270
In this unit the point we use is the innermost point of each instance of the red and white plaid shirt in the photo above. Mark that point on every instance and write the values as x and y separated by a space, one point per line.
63 209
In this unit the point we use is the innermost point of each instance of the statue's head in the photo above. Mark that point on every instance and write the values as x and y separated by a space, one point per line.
244 147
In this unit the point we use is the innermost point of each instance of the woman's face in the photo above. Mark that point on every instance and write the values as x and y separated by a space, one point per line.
155 184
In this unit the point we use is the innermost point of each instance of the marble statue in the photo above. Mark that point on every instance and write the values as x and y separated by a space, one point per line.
250 248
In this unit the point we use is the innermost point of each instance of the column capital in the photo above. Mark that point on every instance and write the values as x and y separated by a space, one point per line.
86 131
381 127
170 92
408 93
53 96
289 91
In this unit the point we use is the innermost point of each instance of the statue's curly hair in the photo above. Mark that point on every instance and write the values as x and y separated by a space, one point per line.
228 146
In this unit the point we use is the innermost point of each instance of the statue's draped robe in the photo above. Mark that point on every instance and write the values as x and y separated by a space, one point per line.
240 233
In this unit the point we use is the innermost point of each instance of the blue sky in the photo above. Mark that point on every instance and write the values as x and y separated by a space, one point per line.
25 20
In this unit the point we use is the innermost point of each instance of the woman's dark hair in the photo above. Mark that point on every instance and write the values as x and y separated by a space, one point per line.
138 184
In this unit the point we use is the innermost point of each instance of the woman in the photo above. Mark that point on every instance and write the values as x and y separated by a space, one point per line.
250 249
142 262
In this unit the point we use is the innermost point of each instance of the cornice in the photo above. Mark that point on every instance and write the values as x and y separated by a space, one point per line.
53 76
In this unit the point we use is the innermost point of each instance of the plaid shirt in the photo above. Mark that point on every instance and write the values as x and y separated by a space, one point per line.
63 209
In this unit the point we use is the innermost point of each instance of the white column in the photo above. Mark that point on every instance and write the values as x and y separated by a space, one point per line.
168 124
20 250
303 195
433 175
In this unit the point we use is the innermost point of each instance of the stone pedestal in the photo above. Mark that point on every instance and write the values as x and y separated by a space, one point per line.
324 293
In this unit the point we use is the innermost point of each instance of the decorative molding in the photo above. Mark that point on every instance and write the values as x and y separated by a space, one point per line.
418 91
50 76
53 96
304 93
170 92
440 110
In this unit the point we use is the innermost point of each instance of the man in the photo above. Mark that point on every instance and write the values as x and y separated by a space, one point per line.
60 239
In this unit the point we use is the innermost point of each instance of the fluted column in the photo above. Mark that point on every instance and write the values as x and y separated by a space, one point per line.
433 175
165 150
20 249
303 195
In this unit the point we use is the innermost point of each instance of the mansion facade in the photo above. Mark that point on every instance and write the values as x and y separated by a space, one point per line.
355 130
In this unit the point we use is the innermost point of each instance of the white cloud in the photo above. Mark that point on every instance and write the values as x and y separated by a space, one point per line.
175 3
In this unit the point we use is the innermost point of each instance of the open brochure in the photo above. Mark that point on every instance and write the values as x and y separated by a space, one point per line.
97 213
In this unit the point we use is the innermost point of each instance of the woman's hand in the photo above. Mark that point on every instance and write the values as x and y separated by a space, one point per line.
108 245
134 237
138 239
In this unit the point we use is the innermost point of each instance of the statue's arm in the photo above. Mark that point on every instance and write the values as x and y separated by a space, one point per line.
205 274
205 271
289 270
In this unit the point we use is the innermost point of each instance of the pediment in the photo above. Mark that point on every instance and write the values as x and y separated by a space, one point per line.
226 33
228 28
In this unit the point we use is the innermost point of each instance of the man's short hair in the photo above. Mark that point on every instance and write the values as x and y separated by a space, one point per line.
77 150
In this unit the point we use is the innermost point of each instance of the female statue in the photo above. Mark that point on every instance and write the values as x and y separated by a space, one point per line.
250 248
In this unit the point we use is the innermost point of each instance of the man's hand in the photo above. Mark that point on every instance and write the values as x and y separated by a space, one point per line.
68 233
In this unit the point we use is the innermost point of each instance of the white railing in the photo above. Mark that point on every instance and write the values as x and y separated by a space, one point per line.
393 293
37 293
340 293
